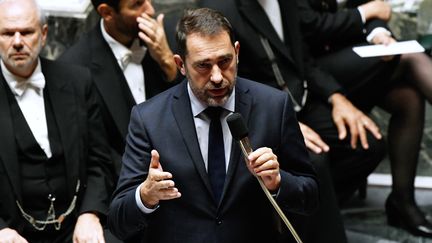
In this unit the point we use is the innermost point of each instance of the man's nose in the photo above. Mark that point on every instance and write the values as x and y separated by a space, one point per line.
216 74
17 40
149 9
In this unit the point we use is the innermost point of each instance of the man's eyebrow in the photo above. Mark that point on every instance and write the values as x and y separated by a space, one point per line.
219 58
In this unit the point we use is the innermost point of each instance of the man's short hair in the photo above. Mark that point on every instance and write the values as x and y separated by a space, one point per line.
113 3
203 21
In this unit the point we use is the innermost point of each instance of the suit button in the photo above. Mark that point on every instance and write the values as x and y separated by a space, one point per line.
218 221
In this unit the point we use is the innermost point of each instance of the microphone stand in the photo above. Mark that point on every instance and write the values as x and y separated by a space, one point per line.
246 149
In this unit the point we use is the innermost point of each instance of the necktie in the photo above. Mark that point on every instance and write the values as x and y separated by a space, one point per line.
216 152
37 82
125 60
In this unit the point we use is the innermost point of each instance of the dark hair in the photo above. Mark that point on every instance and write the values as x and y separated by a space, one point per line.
113 3
203 21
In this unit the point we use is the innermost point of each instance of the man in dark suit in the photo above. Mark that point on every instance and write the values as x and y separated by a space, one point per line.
170 182
130 61
273 53
331 34
53 152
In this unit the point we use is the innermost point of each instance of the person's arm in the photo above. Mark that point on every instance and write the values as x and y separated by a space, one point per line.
125 217
338 26
153 34
95 198
298 188
326 26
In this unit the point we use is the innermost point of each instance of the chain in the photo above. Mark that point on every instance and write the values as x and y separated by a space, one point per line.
51 218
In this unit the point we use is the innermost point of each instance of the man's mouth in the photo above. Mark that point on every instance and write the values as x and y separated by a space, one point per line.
217 92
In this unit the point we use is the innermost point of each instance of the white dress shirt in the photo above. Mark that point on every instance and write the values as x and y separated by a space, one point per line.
31 103
202 125
272 9
129 60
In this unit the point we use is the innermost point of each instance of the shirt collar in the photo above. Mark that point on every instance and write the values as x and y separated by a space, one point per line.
12 79
136 51
198 106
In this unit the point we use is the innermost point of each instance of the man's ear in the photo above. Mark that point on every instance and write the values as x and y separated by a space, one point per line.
44 34
237 49
180 64
105 11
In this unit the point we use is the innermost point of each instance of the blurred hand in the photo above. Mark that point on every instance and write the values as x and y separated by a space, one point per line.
344 114
376 9
153 34
263 162
88 229
8 235
312 140
158 184
384 39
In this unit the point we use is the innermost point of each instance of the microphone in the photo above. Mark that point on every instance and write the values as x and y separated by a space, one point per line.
240 132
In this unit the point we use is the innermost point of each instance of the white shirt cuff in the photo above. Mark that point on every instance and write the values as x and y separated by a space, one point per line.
375 31
362 15
139 203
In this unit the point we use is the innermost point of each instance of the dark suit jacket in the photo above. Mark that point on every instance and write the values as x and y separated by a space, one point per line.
165 123
327 28
250 21
83 139
93 51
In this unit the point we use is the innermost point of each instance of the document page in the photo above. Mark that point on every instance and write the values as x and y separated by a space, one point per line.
392 49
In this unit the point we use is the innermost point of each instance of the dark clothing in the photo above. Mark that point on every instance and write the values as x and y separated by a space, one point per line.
116 99
243 213
294 60
80 153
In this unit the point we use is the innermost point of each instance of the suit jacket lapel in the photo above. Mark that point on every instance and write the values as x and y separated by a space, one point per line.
64 105
258 18
106 73
243 104
8 151
182 111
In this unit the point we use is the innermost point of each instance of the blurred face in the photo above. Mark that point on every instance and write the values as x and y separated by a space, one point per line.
21 36
129 10
210 66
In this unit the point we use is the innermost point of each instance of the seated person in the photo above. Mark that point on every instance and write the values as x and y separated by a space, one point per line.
53 151
331 33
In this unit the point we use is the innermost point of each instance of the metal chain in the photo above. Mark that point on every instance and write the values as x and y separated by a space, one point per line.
51 218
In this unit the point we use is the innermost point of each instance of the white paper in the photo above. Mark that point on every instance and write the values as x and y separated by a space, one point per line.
393 49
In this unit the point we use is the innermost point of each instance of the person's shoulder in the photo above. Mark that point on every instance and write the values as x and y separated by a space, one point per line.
165 98
257 88
80 51
72 74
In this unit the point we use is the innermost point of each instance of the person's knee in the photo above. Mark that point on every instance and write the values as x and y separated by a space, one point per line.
374 154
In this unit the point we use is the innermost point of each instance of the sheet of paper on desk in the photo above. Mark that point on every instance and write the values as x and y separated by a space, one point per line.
392 49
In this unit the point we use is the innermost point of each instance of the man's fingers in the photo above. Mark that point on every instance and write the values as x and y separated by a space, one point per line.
154 162
160 19
314 148
362 134
373 128
340 125
354 134
159 175
169 193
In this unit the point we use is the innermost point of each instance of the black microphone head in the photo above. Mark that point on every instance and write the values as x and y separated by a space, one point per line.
237 126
